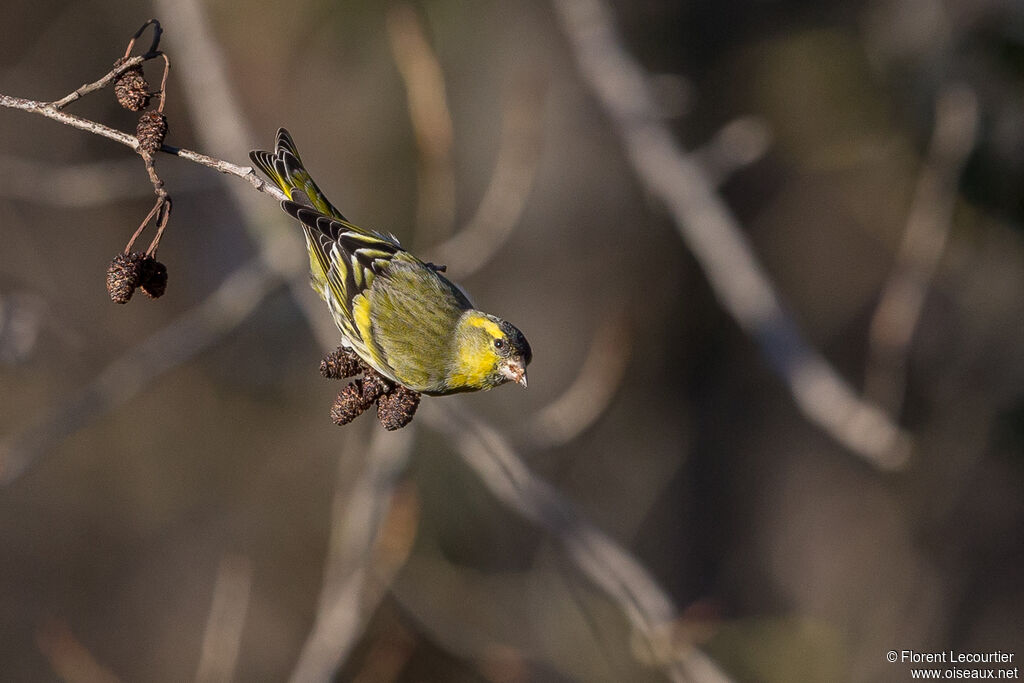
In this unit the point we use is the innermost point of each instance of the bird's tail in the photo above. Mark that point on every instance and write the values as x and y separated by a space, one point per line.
284 167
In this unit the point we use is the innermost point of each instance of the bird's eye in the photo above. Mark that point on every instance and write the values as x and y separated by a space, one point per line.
499 344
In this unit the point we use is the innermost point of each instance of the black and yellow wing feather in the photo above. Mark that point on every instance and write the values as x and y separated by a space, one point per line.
368 280
284 167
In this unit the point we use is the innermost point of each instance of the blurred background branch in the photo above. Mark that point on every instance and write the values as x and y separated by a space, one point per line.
928 225
588 396
222 637
431 122
711 231
363 520
648 608
133 372
68 657
501 208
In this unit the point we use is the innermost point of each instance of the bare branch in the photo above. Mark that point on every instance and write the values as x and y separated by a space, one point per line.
50 112
157 32
928 225
714 236
224 625
107 79
244 172
163 82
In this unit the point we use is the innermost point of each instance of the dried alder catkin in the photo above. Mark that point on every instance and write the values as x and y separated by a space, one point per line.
124 274
151 131
131 88
396 409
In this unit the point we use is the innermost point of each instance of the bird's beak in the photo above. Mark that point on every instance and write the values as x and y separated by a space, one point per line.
515 371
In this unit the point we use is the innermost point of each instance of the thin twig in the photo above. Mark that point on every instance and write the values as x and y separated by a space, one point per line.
161 224
431 121
713 234
157 32
928 225
224 625
163 82
154 177
163 205
142 226
109 78
50 112
647 606
226 167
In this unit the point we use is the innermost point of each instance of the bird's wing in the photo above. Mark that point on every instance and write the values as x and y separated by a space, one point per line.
344 261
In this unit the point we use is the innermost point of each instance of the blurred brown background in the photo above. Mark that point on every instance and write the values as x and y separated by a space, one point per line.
214 486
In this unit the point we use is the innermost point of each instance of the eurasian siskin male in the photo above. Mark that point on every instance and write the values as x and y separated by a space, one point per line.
400 315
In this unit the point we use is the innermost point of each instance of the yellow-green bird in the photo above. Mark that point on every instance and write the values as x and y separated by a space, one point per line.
399 314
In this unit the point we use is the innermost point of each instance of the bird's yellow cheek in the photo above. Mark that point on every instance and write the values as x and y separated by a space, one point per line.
474 368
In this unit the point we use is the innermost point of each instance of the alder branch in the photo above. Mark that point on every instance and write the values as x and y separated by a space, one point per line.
50 111
109 78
